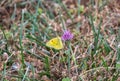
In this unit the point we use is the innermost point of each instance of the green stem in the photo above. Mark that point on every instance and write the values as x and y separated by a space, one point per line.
73 56
69 56
69 65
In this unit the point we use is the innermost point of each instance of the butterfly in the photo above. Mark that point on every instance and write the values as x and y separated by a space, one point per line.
55 43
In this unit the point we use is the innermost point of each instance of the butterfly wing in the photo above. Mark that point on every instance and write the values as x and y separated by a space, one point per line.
58 43
55 43
50 43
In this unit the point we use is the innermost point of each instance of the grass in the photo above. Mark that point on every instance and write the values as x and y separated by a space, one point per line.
92 55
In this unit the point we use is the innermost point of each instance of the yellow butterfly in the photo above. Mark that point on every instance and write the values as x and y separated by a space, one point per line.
55 43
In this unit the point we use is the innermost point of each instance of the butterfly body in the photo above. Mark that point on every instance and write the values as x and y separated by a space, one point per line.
55 43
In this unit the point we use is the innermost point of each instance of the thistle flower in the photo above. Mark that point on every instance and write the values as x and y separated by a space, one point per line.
67 35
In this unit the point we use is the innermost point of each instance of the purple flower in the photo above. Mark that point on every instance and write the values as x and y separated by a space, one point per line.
67 35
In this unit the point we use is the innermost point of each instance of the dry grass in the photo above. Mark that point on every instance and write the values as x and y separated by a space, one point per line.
26 26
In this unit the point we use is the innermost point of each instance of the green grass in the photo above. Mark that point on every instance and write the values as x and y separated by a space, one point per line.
92 55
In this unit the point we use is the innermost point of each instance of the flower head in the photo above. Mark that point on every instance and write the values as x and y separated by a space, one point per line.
67 35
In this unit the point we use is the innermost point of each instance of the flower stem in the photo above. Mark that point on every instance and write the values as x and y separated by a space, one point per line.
69 57
69 65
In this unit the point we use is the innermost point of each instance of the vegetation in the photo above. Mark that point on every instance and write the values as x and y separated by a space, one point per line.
59 40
